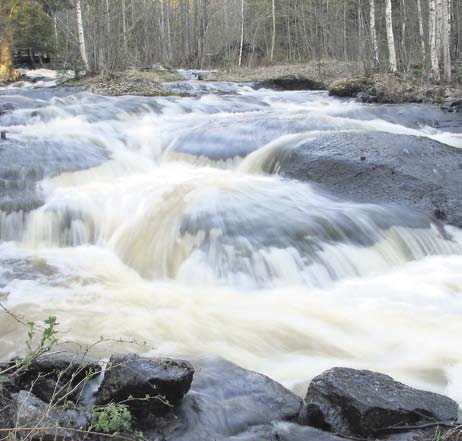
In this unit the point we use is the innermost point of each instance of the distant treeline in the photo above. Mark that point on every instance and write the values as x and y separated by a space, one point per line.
423 36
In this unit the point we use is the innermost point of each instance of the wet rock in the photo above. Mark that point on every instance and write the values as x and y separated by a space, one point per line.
24 163
227 402
290 83
295 432
6 108
52 377
6 406
164 380
365 403
412 172
51 423
367 96
453 105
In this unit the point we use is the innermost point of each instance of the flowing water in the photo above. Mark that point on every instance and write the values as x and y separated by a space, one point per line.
151 219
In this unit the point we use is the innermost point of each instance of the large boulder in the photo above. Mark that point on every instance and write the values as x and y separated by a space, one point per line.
290 83
375 167
133 378
227 402
364 403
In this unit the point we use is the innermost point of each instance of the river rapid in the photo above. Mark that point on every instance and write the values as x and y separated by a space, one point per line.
152 219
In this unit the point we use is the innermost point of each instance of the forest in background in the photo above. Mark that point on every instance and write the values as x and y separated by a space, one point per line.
423 37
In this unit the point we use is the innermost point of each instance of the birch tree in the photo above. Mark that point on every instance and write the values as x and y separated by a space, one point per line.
446 37
241 46
421 33
83 49
390 37
273 38
375 46
435 68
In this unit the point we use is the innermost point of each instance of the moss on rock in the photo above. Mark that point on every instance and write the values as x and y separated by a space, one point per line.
349 87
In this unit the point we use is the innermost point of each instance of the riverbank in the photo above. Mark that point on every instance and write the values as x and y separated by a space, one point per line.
344 80
74 397
131 82
347 80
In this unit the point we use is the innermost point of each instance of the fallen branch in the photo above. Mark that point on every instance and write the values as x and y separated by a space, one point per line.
418 427
86 432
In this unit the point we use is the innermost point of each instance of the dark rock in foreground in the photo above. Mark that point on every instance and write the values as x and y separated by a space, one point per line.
51 377
409 171
223 403
365 403
164 380
52 423
227 402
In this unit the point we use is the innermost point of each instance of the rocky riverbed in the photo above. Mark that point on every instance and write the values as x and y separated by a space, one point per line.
279 230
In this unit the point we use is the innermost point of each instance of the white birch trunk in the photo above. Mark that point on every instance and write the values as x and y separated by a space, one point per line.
421 33
390 37
273 40
242 33
439 26
83 49
375 46
433 47
124 24
446 38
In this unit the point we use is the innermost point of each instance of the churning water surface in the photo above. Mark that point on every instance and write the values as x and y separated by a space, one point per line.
152 219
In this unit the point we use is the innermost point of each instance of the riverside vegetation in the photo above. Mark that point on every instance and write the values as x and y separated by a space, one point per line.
44 395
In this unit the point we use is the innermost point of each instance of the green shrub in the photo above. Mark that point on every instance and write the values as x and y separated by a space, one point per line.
112 418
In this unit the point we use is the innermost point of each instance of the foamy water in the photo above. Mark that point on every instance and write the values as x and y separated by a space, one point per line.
182 241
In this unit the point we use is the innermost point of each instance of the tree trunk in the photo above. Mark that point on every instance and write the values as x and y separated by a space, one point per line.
273 39
439 25
124 25
421 33
242 33
83 50
446 38
375 46
433 47
390 37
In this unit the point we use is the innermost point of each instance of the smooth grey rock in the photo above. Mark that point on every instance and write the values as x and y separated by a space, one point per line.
412 172
364 403
294 432
227 402
24 162
6 107
165 380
